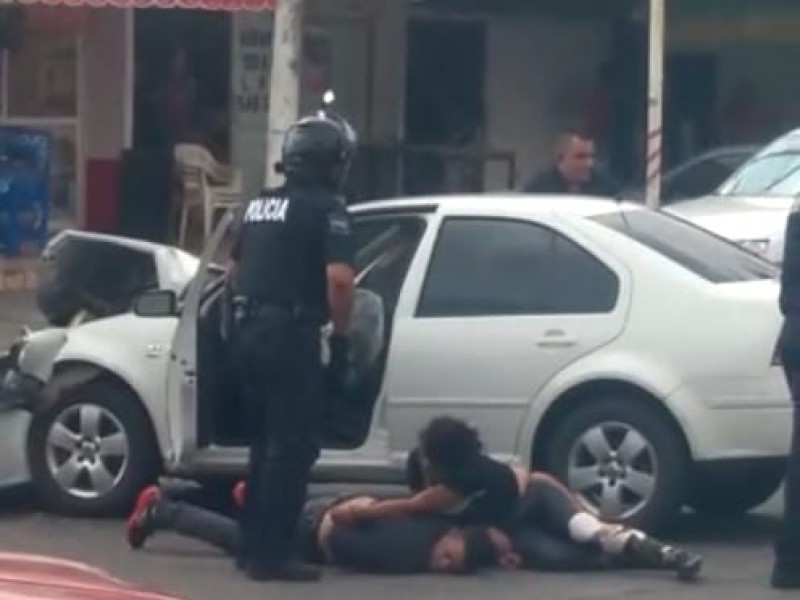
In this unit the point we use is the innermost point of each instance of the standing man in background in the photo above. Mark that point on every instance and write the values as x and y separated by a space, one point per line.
786 572
292 273
574 170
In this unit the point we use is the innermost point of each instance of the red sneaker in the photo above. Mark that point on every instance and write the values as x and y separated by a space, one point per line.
140 524
238 494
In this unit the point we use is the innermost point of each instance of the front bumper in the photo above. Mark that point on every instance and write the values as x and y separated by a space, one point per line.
18 390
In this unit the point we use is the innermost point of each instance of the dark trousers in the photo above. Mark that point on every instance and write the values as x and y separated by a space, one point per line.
219 531
200 524
541 531
282 375
787 547
792 497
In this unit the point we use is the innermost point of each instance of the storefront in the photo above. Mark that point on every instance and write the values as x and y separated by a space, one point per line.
40 71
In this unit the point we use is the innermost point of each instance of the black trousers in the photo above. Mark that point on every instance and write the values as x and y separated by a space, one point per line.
541 531
787 547
192 521
282 377
792 490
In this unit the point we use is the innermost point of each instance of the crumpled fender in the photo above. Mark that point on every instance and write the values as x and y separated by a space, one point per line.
37 358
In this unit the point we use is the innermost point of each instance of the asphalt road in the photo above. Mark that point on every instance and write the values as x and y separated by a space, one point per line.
738 554
738 557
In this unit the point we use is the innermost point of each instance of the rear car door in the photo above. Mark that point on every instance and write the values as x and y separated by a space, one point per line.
502 305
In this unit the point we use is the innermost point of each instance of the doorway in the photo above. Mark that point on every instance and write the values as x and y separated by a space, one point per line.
182 60
445 86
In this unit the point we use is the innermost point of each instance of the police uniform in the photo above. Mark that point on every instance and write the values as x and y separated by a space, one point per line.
786 573
287 237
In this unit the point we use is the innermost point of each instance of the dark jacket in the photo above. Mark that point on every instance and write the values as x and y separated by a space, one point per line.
790 292
551 182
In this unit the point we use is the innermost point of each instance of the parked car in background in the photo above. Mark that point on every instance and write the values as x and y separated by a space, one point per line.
587 337
33 577
699 175
752 205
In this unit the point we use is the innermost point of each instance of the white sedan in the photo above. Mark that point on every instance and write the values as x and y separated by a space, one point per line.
628 352
751 207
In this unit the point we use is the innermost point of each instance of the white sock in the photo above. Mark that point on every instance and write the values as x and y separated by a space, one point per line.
584 527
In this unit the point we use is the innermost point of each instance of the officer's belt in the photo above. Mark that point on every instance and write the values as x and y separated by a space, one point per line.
265 310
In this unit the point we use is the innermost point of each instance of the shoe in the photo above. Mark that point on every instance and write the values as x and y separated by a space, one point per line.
687 564
140 525
293 572
238 494
650 553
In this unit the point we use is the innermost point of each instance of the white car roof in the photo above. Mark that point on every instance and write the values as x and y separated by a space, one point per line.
135 244
579 206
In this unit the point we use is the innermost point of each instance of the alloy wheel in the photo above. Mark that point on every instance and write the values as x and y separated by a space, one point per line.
613 469
87 450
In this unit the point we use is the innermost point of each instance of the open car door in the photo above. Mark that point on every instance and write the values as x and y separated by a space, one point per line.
182 382
206 403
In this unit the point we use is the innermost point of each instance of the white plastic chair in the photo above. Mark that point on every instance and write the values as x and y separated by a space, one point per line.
206 185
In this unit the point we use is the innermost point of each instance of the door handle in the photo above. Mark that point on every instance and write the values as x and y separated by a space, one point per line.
555 338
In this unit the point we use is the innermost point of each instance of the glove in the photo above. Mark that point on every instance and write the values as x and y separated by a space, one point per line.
338 366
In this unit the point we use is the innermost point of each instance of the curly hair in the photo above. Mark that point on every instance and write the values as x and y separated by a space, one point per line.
449 443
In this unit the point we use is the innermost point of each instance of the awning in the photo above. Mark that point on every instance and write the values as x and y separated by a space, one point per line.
230 5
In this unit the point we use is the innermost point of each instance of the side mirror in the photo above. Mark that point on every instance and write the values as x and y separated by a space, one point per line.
159 303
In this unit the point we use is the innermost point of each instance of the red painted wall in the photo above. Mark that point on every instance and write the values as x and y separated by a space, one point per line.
102 180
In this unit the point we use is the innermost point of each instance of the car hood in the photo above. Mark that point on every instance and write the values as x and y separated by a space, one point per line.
32 577
742 218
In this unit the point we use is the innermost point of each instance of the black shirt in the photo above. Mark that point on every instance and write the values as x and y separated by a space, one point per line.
287 237
552 182
489 488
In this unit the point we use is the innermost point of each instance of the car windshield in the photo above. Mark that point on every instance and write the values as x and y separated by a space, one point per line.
701 252
775 171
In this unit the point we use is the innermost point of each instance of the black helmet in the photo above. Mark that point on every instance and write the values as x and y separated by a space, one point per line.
318 149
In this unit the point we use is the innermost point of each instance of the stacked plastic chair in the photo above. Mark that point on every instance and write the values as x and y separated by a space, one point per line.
25 157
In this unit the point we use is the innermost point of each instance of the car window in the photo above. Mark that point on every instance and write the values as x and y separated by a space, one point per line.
495 267
385 247
698 179
701 252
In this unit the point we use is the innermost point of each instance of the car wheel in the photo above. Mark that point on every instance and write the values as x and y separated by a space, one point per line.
92 451
735 493
623 459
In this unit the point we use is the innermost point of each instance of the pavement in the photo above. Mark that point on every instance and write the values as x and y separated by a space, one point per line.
17 309
737 551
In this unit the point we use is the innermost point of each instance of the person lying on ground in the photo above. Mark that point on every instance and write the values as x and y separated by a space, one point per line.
402 545
449 474
412 545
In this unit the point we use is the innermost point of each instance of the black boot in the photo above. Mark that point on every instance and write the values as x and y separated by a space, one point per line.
786 570
650 553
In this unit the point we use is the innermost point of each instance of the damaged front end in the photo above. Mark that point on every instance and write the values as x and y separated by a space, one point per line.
29 367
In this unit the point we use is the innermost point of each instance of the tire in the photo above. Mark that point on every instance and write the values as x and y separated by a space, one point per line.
662 456
125 459
735 493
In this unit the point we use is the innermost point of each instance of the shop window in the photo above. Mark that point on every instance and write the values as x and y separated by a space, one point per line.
42 76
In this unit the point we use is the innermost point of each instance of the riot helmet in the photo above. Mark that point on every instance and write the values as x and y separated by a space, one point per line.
319 149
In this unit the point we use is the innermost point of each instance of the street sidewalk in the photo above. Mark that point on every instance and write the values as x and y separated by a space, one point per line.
18 282
17 309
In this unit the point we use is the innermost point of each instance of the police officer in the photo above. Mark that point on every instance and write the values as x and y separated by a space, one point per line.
291 273
786 571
